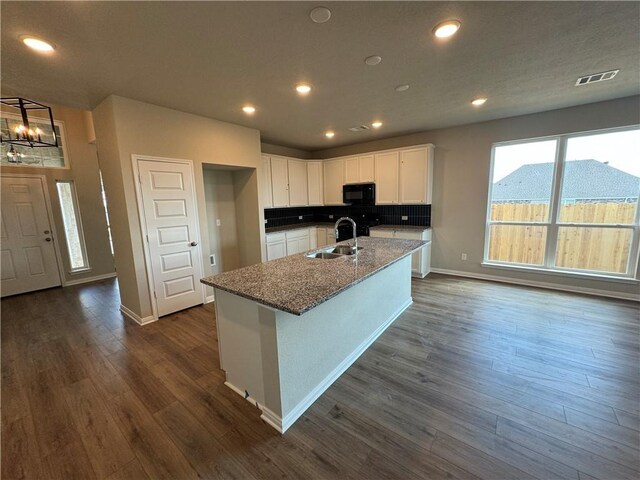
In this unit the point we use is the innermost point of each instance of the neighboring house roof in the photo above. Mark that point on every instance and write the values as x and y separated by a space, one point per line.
583 180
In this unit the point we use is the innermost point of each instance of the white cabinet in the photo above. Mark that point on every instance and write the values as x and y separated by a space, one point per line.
280 181
359 169
366 164
416 175
421 260
331 236
313 238
386 173
276 245
333 181
267 198
321 237
297 241
315 183
298 192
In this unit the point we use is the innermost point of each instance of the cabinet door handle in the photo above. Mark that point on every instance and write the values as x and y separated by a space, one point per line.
193 244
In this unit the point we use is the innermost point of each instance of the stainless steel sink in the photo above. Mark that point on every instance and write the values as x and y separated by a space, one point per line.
324 255
333 252
344 250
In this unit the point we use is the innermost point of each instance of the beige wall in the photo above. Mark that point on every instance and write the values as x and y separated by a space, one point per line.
221 205
125 127
284 151
461 180
84 171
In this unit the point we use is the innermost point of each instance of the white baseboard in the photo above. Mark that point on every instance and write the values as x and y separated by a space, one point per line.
136 318
280 424
69 283
209 299
533 283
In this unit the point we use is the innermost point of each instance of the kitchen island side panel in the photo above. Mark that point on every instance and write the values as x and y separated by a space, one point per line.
315 348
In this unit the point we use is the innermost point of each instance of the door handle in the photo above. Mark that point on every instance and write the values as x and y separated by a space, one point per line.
48 239
193 244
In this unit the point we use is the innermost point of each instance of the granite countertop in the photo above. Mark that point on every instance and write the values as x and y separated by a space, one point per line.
296 284
296 226
412 228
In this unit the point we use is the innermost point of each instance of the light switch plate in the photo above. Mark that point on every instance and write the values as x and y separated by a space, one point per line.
218 222
405 217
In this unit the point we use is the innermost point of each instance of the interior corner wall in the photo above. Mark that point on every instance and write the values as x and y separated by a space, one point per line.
126 127
84 172
273 149
461 181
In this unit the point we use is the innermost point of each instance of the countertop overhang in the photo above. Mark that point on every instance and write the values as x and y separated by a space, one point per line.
296 284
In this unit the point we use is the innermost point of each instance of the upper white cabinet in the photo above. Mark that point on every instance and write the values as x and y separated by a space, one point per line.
298 192
280 181
386 174
359 169
267 196
416 174
333 181
315 183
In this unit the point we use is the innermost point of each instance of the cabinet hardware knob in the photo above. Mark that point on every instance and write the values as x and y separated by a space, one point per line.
193 244
48 239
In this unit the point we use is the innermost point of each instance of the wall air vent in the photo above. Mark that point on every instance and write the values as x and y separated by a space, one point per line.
597 77
359 128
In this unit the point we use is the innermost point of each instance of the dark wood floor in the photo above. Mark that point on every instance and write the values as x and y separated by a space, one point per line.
475 380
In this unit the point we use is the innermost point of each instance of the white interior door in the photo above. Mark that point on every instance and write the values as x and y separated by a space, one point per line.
26 242
171 219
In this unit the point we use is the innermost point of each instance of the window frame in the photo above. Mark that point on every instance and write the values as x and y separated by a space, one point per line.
552 224
62 140
76 210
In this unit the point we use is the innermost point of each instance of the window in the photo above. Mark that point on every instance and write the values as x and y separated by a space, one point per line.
47 157
72 226
567 203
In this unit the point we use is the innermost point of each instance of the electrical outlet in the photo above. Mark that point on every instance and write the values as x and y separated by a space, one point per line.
330 217
212 259
405 217
463 256
218 222
299 217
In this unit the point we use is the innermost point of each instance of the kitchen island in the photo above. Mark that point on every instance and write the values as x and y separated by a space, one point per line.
288 328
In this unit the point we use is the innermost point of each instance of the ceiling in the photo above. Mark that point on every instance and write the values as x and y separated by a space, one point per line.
210 58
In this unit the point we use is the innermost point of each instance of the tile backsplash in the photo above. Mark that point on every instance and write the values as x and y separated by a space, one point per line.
388 214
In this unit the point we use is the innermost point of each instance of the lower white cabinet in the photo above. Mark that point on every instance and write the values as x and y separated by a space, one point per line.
297 241
321 237
276 245
421 260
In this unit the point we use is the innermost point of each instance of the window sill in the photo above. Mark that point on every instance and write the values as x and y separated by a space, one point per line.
562 273
77 271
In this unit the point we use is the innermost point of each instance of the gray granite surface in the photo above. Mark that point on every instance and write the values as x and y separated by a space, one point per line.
408 228
296 284
297 226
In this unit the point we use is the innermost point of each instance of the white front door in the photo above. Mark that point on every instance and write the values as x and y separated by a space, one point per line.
28 256
171 219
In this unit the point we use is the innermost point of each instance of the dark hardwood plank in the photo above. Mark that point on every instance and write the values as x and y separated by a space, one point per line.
20 457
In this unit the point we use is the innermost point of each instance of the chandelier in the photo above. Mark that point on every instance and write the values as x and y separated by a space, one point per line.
23 131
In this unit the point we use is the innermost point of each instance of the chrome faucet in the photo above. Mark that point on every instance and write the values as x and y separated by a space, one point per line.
355 238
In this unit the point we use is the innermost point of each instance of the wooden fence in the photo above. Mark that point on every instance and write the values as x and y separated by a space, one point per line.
588 248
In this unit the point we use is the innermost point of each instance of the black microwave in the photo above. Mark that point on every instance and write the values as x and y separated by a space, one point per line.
360 194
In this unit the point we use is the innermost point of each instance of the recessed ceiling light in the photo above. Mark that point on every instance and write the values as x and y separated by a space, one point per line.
249 109
402 88
476 102
303 88
373 60
376 124
446 29
37 44
329 134
320 14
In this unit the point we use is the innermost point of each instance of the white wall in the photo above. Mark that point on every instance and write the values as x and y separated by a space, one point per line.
461 181
125 127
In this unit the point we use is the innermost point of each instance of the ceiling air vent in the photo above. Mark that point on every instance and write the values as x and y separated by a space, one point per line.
597 77
359 128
